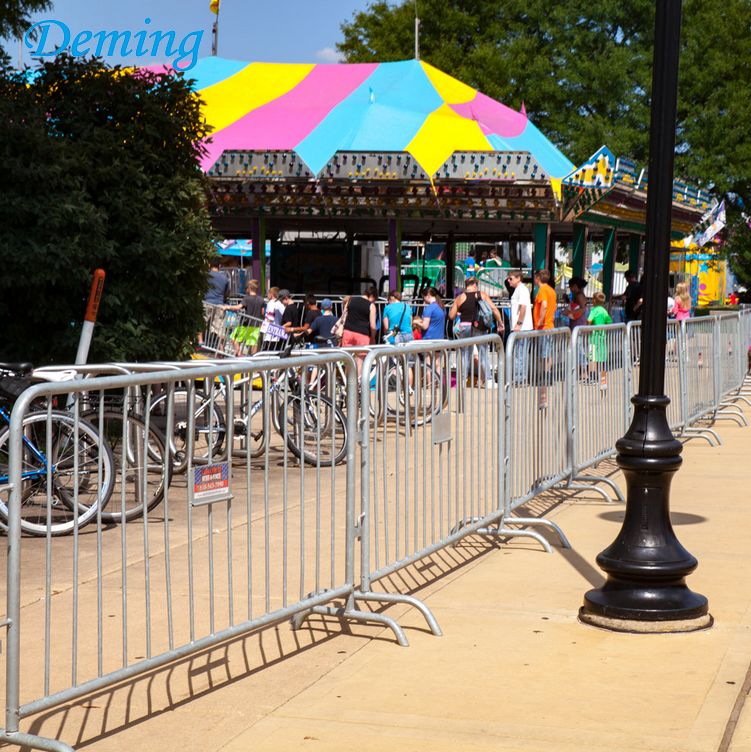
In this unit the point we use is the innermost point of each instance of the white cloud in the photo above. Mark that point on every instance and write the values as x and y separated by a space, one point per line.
328 55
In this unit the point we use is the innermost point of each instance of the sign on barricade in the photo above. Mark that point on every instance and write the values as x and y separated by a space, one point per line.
274 330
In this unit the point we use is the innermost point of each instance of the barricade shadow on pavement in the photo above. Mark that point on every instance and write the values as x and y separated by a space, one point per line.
104 713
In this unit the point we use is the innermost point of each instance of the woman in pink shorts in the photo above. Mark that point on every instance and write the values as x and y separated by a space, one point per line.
360 322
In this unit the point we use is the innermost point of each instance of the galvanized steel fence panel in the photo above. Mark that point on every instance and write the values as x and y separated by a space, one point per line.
698 338
674 371
256 541
431 449
600 392
728 354
537 398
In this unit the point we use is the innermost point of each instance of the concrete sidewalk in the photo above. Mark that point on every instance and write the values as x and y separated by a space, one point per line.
514 669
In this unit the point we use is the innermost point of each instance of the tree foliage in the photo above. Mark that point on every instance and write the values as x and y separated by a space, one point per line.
583 71
580 68
14 16
101 171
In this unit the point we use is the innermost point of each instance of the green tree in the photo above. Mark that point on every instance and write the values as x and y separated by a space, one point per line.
583 71
101 170
14 16
580 68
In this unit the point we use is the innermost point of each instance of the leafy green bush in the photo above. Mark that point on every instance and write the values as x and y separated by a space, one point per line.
101 170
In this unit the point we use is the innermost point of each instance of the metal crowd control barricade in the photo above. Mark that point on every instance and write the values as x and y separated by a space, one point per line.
236 550
675 375
232 333
599 402
431 454
538 367
745 354
730 373
698 364
745 315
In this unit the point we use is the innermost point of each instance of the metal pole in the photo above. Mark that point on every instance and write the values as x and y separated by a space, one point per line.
215 33
646 565
87 331
417 34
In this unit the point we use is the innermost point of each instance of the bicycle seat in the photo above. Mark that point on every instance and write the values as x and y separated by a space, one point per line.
19 369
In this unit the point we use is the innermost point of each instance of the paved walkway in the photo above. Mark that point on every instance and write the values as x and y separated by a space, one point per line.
513 671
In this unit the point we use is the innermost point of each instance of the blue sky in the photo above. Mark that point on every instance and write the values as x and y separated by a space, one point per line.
294 31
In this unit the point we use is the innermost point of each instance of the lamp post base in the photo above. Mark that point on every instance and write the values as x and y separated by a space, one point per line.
646 565
629 598
639 626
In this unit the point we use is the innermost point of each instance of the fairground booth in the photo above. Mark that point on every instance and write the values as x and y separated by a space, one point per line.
394 172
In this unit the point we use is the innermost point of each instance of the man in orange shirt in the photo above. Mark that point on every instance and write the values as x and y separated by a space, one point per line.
543 316
545 301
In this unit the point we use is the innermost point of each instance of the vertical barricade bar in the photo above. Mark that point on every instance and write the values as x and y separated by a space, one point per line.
353 430
13 614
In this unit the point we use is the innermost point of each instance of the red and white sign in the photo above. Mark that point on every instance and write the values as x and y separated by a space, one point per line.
211 481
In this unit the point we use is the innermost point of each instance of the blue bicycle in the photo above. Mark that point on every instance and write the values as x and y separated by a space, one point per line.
67 470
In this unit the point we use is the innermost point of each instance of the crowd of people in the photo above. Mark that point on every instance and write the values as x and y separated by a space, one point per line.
472 313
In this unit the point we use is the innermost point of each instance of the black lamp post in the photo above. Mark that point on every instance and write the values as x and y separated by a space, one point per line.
646 565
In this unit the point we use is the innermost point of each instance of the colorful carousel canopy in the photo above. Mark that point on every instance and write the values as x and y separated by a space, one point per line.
401 140
317 111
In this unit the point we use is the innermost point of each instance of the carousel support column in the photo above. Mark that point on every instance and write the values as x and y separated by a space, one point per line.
258 236
580 249
550 264
634 247
646 565
395 256
608 261
542 237
450 257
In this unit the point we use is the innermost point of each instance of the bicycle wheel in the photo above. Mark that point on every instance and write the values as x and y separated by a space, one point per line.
140 475
67 473
209 429
314 429
430 394
251 430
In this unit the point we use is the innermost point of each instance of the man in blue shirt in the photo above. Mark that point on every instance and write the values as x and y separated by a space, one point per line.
320 328
214 304
218 291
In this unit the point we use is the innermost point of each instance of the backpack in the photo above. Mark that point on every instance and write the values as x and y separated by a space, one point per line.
483 314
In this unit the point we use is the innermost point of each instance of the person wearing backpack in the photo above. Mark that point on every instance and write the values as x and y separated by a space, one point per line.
474 314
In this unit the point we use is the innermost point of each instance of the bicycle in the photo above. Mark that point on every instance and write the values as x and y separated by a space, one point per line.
67 470
140 453
208 427
300 416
